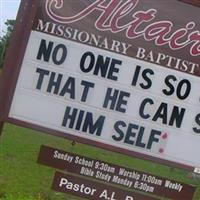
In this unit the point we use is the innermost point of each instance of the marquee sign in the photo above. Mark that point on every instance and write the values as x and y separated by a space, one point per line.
122 75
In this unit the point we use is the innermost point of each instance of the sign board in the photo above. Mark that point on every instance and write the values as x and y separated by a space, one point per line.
89 189
115 174
122 75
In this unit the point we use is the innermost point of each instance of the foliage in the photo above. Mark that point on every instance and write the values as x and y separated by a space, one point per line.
5 39
22 178
11 197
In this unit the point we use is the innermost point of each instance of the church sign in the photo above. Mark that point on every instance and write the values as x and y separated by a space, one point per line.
121 75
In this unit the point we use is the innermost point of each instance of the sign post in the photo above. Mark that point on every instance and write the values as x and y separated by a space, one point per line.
1 127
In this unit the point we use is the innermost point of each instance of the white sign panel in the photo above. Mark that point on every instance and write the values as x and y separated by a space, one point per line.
109 98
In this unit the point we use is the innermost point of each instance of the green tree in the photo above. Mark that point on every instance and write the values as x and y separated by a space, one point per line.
4 40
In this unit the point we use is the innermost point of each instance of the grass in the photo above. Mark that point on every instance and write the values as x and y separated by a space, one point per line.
21 178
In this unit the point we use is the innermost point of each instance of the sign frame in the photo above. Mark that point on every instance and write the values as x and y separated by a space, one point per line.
9 80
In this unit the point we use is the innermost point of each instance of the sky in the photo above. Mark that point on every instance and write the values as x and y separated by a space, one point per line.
8 10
